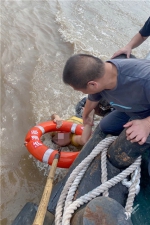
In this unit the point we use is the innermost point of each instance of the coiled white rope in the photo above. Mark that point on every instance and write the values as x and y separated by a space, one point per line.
134 188
66 207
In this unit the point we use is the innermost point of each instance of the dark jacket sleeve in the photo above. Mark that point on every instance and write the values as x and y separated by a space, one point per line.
145 30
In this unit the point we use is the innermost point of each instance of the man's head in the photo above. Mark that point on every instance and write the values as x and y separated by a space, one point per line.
81 69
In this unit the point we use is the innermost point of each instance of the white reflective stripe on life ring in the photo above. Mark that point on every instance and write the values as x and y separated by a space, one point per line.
47 155
41 129
73 128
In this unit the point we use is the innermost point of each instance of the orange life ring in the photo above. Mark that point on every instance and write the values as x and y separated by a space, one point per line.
45 154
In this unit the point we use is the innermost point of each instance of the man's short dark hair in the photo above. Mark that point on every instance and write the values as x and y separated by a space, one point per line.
82 68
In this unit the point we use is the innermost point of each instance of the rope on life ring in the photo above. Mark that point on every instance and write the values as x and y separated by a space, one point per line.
44 154
66 206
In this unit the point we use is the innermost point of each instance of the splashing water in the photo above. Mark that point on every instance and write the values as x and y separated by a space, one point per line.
37 37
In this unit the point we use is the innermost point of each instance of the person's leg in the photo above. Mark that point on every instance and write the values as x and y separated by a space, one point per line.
113 122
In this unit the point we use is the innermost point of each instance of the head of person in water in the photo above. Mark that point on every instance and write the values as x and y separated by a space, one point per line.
62 139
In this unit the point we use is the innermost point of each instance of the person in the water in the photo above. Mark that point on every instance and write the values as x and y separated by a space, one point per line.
66 138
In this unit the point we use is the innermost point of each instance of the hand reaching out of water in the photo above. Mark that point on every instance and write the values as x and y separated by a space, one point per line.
56 119
138 130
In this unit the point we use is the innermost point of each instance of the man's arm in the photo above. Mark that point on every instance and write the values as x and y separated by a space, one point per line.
89 106
137 40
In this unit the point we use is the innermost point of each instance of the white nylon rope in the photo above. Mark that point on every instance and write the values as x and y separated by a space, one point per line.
133 190
96 192
104 170
75 177
84 164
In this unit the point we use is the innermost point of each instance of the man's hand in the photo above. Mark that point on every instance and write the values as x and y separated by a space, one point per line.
138 130
126 50
88 112
88 120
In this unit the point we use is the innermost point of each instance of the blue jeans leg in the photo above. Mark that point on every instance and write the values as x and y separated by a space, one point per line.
113 122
